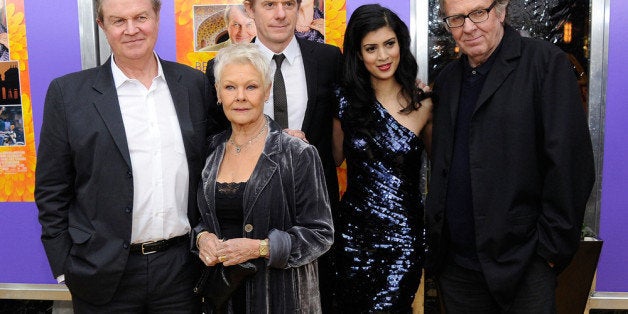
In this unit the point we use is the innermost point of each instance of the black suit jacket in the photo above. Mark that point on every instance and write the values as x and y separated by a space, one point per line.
322 65
84 183
531 161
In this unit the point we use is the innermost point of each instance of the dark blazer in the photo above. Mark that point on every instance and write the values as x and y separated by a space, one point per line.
322 64
285 201
530 156
84 183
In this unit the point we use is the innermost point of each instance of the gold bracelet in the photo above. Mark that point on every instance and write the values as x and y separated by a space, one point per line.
198 236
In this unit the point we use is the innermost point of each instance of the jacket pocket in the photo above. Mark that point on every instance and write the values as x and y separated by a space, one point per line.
78 236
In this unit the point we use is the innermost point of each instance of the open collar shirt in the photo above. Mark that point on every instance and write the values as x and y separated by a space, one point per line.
158 158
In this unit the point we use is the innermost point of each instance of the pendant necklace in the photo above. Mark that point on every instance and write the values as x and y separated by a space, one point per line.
238 148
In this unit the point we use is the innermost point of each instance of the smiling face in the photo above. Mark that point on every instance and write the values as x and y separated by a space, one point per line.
241 28
380 53
131 27
241 91
275 21
476 40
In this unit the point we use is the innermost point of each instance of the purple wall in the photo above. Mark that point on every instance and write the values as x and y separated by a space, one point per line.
54 50
612 270
166 45
402 8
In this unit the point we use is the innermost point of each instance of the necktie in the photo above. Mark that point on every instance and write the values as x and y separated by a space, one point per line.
279 94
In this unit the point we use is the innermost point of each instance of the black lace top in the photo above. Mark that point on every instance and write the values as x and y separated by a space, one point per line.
229 208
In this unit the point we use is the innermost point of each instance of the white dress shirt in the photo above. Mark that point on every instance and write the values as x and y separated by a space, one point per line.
293 73
158 159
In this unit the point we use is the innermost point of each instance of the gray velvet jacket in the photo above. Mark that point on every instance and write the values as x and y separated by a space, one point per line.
286 201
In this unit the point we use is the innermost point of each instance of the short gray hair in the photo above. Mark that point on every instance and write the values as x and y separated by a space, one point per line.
228 12
244 53
101 16
500 7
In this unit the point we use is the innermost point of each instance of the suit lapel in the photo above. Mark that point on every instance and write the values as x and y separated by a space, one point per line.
503 66
181 100
108 107
311 79
451 91
209 185
263 172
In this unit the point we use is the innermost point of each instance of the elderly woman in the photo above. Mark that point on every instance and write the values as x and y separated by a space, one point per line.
263 197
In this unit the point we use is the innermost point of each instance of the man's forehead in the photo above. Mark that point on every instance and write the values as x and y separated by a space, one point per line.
113 8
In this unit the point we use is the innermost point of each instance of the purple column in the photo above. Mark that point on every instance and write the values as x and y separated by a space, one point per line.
612 270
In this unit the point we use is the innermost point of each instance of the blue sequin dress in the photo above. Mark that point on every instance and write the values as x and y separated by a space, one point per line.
380 242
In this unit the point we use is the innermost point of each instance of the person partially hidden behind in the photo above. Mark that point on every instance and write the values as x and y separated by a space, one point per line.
310 22
240 27
263 197
512 166
119 160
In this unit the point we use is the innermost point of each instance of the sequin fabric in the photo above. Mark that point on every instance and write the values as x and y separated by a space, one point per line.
380 246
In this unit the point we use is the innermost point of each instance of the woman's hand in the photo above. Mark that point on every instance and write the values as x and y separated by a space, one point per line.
236 251
207 244
318 25
296 133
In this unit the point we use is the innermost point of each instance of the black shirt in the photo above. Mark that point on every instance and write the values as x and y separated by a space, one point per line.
459 205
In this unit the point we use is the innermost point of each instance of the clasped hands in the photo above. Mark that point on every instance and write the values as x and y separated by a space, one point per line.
230 252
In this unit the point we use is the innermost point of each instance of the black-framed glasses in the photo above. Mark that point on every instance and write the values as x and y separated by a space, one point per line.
477 16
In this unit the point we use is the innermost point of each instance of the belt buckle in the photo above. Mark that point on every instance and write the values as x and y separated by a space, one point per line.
149 252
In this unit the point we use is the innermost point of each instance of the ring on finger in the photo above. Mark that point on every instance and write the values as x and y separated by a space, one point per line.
222 258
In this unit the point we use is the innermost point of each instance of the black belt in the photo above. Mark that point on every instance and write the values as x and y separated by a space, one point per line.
158 246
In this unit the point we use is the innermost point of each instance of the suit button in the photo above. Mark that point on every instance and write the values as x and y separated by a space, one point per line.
125 245
127 210
129 174
248 227
444 172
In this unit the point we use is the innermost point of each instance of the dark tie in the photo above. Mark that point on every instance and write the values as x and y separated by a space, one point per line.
279 94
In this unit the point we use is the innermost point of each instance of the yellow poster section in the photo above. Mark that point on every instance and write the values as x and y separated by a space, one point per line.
17 154
335 23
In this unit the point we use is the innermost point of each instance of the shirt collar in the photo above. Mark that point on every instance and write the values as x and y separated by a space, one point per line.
291 52
120 78
485 67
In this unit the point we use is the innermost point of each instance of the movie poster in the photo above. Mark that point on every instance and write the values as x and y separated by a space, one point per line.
202 29
17 136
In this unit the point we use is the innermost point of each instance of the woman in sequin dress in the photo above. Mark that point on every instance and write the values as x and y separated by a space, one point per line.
383 126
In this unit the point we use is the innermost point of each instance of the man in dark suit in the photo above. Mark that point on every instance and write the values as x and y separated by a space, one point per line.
512 166
120 155
310 71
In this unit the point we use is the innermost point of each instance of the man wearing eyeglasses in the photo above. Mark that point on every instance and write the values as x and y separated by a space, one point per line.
512 166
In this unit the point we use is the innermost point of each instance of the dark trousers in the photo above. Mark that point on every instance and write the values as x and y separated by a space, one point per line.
161 282
465 291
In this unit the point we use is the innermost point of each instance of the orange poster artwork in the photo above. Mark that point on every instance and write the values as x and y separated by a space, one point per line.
201 27
17 136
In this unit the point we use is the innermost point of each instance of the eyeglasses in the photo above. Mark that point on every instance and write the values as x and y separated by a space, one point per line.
477 16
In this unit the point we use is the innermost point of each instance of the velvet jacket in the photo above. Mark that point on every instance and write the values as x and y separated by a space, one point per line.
286 201
531 162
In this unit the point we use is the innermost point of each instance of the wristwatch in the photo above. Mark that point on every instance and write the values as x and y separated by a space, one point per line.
263 248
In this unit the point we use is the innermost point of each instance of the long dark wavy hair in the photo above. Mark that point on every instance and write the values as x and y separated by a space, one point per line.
357 79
